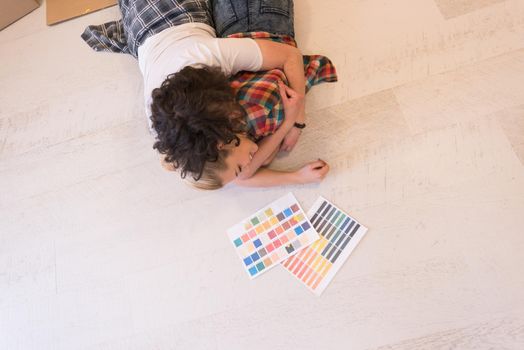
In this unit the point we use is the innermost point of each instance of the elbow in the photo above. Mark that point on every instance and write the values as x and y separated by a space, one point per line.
293 57
295 54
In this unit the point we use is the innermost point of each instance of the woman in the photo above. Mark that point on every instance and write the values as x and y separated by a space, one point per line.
199 127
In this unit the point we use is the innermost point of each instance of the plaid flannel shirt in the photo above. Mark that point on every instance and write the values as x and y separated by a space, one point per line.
258 92
142 19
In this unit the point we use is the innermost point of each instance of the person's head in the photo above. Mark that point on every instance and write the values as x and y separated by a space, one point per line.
200 127
234 160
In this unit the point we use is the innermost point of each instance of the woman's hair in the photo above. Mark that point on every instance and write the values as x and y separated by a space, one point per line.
209 180
192 112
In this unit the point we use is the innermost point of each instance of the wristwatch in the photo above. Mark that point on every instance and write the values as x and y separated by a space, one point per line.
300 125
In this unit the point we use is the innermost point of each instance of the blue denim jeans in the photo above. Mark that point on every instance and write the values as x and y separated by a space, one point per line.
238 16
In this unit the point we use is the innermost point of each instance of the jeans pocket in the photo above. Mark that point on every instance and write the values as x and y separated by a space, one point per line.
223 15
280 7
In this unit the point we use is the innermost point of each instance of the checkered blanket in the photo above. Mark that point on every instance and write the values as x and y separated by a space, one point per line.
258 92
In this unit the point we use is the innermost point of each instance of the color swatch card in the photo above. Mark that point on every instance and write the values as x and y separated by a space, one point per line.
271 235
316 265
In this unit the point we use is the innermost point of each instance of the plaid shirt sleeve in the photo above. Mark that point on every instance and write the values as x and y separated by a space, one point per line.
107 37
258 93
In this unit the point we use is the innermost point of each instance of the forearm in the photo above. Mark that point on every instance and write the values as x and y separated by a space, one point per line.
266 149
267 178
271 157
294 70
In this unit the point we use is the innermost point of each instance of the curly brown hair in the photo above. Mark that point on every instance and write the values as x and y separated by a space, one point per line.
192 112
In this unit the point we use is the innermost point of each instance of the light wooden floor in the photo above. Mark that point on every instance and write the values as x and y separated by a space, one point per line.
100 248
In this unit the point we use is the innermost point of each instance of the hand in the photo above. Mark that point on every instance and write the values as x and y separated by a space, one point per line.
312 172
290 140
293 104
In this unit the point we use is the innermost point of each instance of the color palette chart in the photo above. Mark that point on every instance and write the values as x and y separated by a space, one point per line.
316 265
271 235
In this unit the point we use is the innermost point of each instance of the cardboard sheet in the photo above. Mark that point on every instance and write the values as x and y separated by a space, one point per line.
62 10
12 10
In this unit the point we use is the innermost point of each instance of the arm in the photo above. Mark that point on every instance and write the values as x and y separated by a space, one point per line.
309 173
270 158
289 59
266 149
266 178
293 103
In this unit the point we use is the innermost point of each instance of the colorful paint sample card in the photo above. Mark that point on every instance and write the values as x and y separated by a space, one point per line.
271 235
316 265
